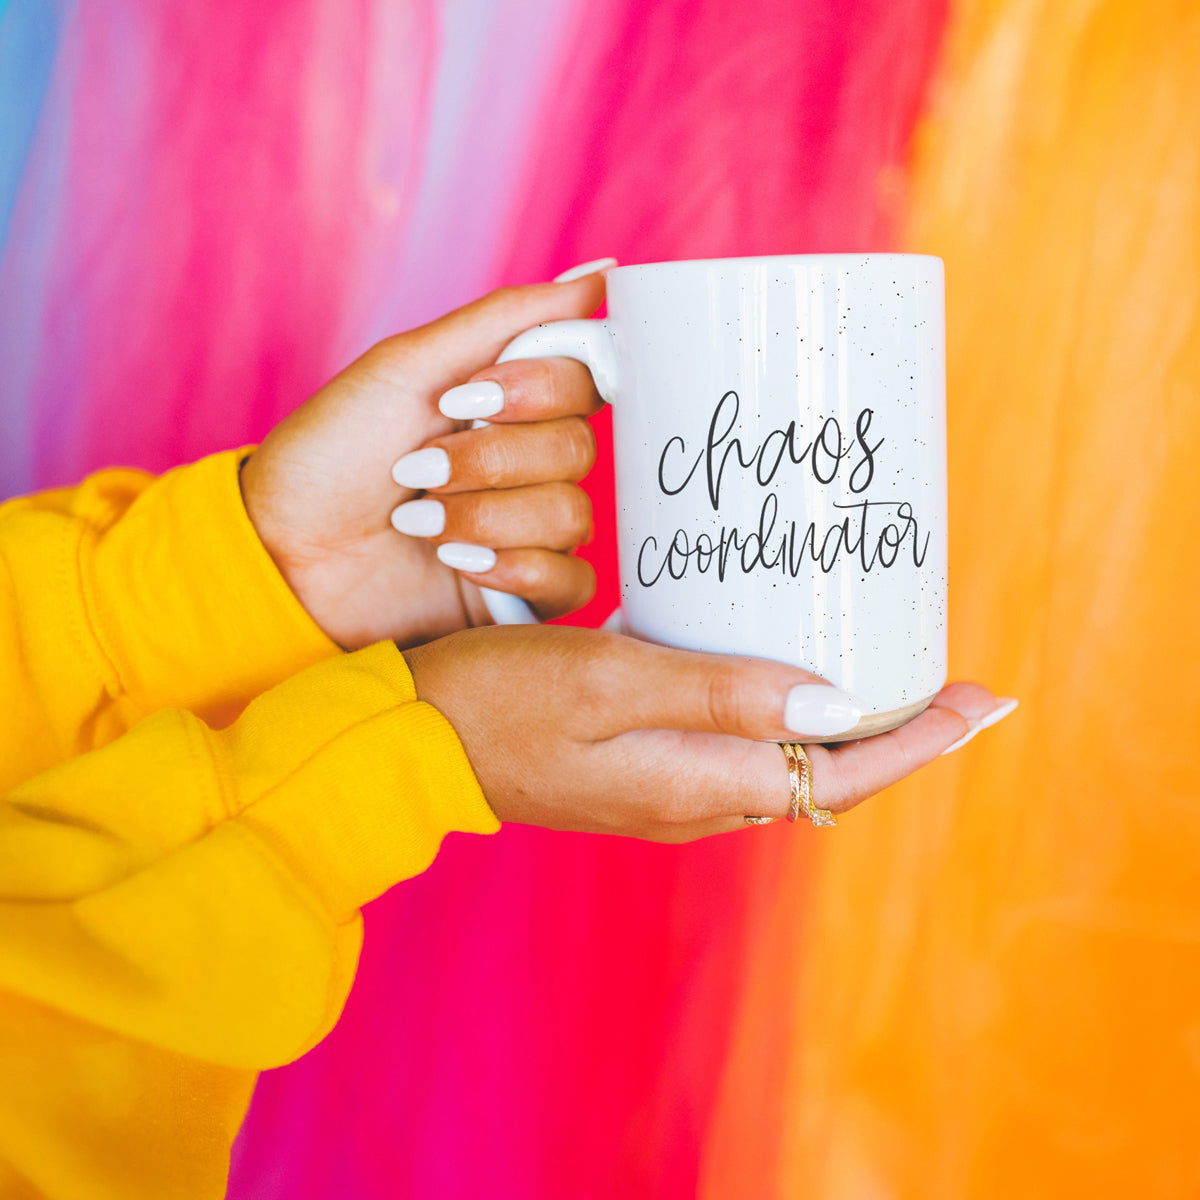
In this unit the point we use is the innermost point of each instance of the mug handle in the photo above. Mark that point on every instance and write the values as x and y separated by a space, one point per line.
591 343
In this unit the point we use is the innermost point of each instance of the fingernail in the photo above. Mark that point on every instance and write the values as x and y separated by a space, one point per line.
463 556
426 468
1002 709
587 268
817 709
420 518
472 401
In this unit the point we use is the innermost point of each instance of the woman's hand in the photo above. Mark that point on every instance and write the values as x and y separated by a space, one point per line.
321 493
591 731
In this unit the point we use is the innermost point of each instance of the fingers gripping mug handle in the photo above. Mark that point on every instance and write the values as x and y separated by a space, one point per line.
590 342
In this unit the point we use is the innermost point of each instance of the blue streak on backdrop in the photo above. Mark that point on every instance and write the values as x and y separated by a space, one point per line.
29 38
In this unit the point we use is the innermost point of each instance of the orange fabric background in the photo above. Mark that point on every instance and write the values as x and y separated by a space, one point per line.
1000 994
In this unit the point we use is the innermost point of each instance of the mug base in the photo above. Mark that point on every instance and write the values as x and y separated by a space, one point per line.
880 722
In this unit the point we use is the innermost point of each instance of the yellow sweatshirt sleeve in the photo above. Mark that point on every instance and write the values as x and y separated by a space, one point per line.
129 594
179 909
199 889
179 894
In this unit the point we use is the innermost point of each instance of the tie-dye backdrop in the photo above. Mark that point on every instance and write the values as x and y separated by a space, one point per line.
987 982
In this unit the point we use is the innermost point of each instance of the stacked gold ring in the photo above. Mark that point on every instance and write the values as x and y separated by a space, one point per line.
800 782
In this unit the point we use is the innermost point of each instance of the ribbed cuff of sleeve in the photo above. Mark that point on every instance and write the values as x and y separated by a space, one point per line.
185 599
379 778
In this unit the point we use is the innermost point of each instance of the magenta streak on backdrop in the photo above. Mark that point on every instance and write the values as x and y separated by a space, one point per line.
544 1015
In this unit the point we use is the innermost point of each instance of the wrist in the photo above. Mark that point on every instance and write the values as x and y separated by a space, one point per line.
260 500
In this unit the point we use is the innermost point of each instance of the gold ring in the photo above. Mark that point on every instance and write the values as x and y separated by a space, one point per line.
800 779
758 820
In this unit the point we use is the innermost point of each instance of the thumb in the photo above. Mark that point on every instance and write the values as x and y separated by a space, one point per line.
437 356
662 688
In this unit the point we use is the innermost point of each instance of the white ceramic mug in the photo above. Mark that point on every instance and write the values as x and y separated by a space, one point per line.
779 437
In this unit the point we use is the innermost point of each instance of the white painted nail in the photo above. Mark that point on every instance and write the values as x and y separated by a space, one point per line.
428 468
962 741
814 708
587 268
463 556
1002 709
1004 706
472 401
420 518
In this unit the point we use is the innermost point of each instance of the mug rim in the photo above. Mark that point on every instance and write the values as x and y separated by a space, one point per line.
858 259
